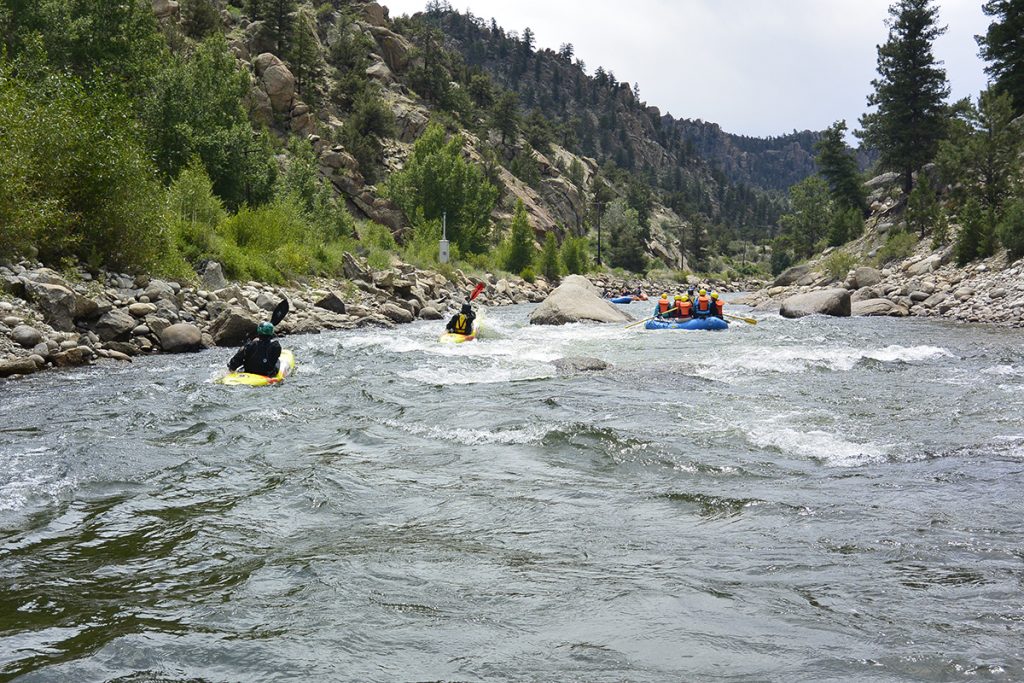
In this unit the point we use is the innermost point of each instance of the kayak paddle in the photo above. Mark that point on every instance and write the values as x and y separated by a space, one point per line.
279 312
476 291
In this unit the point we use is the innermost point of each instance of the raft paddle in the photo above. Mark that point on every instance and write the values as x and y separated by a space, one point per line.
749 321
653 317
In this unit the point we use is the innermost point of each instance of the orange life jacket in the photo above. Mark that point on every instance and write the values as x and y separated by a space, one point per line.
703 305
684 309
719 307
664 305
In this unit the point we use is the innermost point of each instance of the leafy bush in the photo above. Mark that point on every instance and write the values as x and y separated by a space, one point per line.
838 264
519 250
575 255
899 246
528 274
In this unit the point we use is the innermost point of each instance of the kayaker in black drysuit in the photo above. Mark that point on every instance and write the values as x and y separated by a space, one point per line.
260 355
462 322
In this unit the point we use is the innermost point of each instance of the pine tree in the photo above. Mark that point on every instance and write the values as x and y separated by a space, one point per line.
278 17
550 261
910 93
626 247
838 166
519 250
505 116
1003 46
199 18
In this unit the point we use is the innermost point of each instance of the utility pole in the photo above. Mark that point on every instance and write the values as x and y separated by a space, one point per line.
599 205
443 253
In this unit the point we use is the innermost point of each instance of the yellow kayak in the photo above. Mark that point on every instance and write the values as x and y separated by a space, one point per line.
247 379
452 338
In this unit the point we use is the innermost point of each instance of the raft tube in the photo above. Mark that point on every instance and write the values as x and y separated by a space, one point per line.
691 324
247 379
622 300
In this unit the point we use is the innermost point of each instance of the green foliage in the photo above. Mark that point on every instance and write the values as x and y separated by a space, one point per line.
438 179
194 108
370 121
845 225
922 207
421 247
626 248
910 92
193 214
505 116
199 18
576 173
279 18
550 262
575 255
1001 46
897 247
524 167
970 238
838 166
83 186
940 234
518 251
528 274
538 131
1011 228
838 264
806 224
304 55
377 236
347 50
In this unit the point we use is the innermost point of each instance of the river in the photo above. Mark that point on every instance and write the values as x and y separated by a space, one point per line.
812 500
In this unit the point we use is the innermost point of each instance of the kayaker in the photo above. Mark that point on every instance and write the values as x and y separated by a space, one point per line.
703 308
462 322
260 355
717 306
664 306
684 308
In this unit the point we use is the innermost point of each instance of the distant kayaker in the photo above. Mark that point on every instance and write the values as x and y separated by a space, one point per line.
684 308
717 306
703 307
260 355
462 322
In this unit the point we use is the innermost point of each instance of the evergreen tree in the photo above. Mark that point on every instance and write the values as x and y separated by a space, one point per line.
1003 46
505 116
550 261
838 166
626 248
922 207
805 225
278 15
574 255
910 93
199 18
305 57
519 249
969 240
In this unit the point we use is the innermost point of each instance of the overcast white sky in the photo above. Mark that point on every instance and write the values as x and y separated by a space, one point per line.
757 67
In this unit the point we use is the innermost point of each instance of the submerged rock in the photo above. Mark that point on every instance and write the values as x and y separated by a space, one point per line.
577 364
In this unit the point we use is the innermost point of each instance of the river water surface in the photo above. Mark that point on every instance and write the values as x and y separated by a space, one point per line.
813 500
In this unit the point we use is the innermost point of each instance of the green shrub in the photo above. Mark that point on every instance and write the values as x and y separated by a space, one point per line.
528 274
838 264
550 263
575 255
899 246
1011 229
374 235
518 248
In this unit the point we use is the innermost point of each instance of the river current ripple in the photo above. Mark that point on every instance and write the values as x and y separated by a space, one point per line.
808 500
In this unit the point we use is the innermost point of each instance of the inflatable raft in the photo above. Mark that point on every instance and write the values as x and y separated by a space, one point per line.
246 379
691 324
622 300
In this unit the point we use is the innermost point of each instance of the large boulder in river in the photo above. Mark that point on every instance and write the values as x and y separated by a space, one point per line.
577 300
834 302
181 338
233 327
879 307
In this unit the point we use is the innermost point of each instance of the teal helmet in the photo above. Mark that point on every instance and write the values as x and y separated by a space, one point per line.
265 330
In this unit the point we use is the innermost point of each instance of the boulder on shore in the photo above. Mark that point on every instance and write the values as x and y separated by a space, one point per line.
233 327
577 300
879 307
834 302
181 338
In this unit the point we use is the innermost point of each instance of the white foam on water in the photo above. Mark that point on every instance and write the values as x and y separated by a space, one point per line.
21 482
829 448
448 376
1004 371
473 437
800 359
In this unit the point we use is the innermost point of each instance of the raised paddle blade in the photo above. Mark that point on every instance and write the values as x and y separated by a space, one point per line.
279 313
476 291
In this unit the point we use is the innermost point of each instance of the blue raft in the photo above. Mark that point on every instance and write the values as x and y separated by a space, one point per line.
622 300
692 324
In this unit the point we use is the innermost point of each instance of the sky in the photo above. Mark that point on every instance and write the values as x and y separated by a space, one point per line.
756 67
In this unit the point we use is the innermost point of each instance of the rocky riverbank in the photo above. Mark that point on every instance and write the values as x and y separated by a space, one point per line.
928 284
50 319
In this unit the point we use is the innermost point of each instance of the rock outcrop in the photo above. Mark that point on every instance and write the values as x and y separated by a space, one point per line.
577 300
834 302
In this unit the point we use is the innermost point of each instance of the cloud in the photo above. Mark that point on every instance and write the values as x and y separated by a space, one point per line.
756 67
